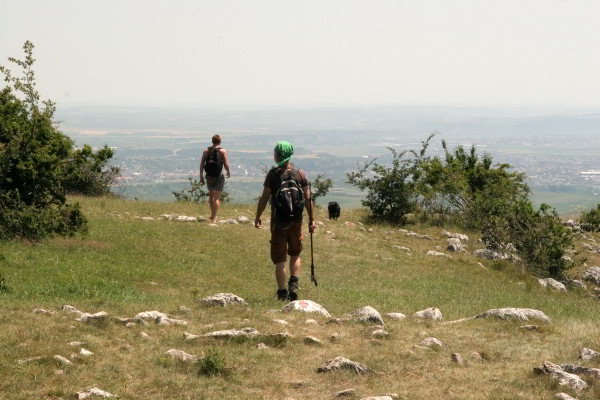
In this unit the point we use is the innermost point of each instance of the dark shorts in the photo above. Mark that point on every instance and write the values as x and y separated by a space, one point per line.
286 241
215 182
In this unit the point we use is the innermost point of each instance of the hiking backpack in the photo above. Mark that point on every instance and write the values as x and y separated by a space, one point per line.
213 164
289 198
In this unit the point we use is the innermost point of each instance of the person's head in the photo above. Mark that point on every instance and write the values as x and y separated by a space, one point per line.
283 152
216 140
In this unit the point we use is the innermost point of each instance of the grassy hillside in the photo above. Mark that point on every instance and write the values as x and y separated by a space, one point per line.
126 265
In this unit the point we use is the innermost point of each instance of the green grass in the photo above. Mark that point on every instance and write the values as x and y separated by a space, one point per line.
125 265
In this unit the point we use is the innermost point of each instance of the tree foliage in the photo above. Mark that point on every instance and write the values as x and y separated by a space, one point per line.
196 193
590 220
33 155
88 173
320 187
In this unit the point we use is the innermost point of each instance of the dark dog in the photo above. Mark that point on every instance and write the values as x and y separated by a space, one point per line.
334 210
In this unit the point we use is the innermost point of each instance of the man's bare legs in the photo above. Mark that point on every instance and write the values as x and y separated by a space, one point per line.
281 276
214 198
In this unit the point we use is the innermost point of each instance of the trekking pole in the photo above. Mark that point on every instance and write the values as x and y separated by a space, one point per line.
310 220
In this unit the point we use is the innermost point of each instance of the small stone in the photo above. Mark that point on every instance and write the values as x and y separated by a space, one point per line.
62 360
403 248
85 353
231 333
395 316
312 341
430 313
190 336
93 318
436 254
94 392
552 283
589 354
343 363
144 335
31 359
559 374
76 344
367 314
224 299
334 336
44 311
59 371
181 355
379 334
130 324
346 393
262 346
306 306
170 321
457 358
243 220
281 322
476 356
592 275
431 343
184 309
564 396
311 322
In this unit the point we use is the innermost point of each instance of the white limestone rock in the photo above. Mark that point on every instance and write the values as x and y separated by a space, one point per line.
85 353
76 343
395 316
311 322
229 221
561 376
312 341
43 311
94 392
233 333
62 360
170 321
432 343
459 236
430 313
592 275
367 314
589 354
564 396
308 306
379 334
434 253
181 355
418 236
31 359
224 299
90 318
281 322
578 369
521 314
262 346
552 283
243 220
344 364
457 358
190 336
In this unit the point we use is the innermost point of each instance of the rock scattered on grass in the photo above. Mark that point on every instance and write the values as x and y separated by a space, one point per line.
281 322
476 356
459 236
94 392
312 341
62 360
85 352
395 316
431 343
170 321
418 236
243 220
431 313
144 335
457 358
561 376
306 306
367 314
578 369
311 322
589 354
31 359
92 318
181 355
344 364
233 333
185 309
552 283
592 275
434 253
334 336
564 396
190 336
262 346
379 334
229 221
403 248
76 343
522 314
224 299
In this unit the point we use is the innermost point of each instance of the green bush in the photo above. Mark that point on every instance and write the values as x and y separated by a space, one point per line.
33 155
320 187
590 220
87 172
196 193
212 364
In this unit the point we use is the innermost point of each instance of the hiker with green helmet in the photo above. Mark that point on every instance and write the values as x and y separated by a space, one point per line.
288 189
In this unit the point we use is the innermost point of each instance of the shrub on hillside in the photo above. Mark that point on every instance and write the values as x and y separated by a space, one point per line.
590 220
33 153
196 193
320 187
87 172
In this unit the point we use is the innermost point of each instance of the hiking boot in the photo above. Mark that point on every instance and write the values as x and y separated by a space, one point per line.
282 294
293 288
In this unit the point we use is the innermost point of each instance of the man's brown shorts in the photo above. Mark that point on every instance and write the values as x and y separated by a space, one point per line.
286 241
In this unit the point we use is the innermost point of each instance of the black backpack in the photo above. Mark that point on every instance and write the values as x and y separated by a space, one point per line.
213 164
289 198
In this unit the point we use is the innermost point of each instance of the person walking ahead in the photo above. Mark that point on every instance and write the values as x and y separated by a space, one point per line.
288 188
214 159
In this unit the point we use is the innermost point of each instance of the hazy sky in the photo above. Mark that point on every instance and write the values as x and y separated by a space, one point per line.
310 52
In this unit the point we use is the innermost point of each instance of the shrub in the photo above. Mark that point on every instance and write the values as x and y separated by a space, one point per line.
87 172
320 187
33 153
196 193
213 364
590 220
